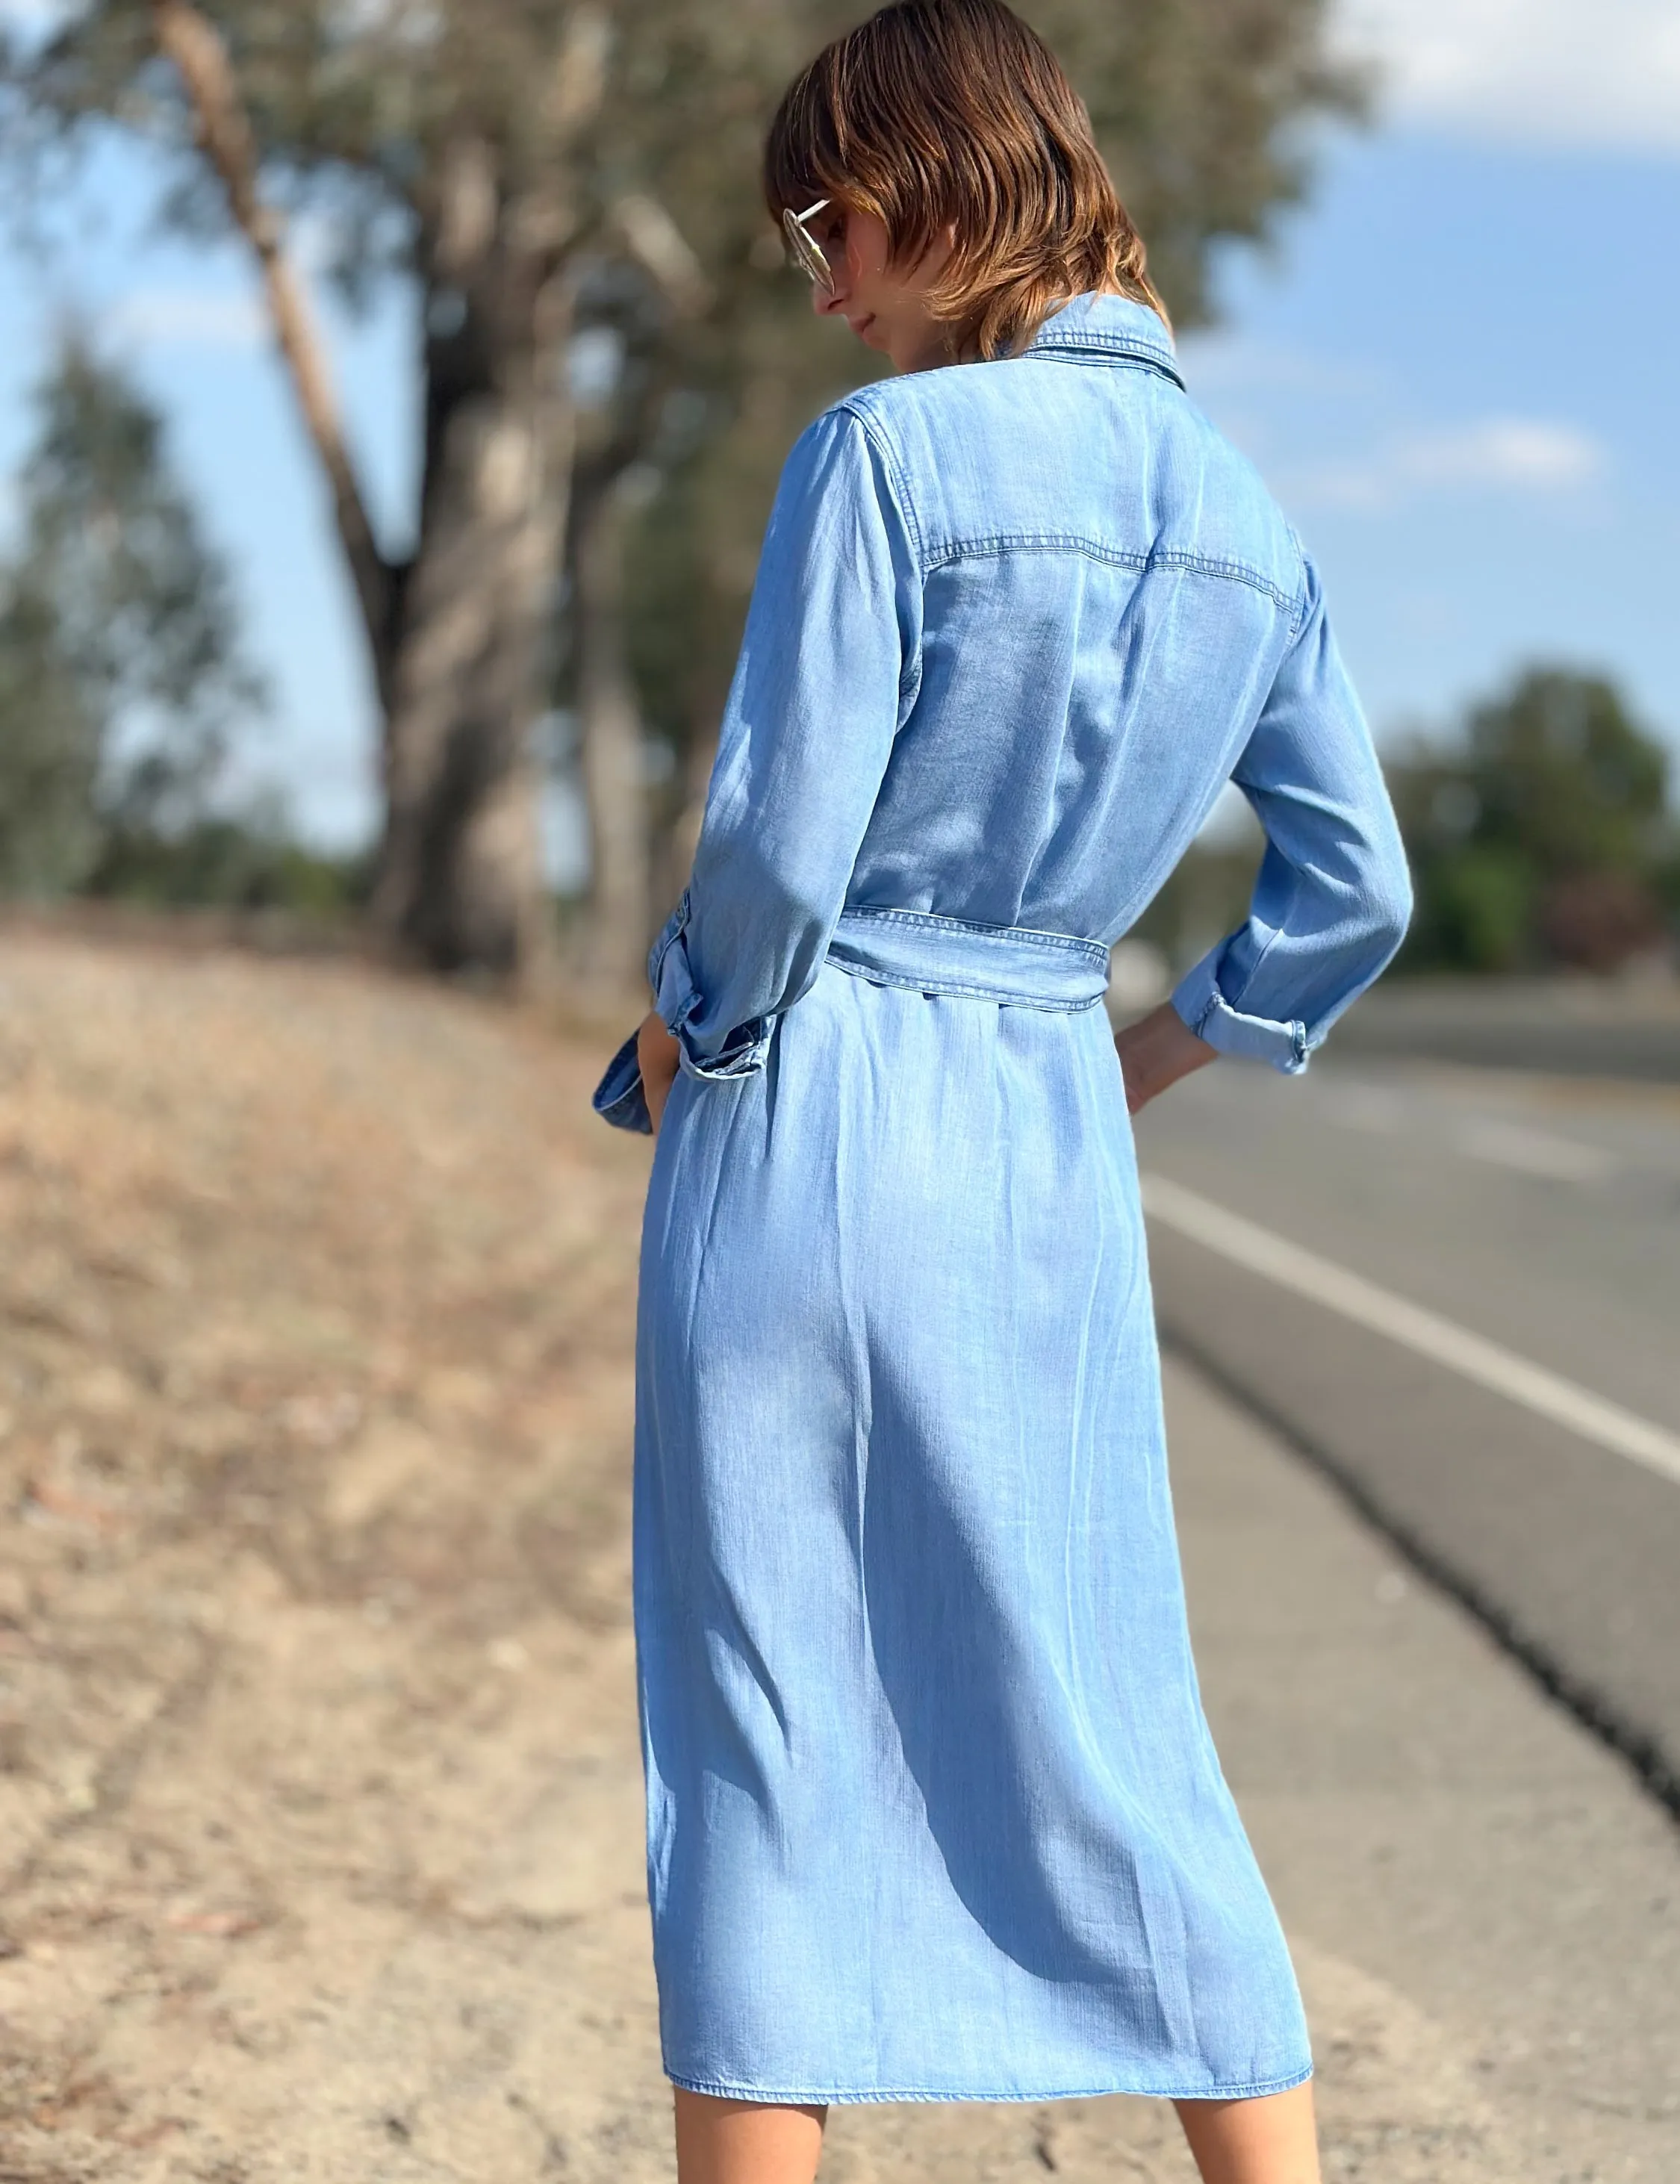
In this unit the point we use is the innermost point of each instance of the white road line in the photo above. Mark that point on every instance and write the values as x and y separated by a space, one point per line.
1337 1289
1537 1152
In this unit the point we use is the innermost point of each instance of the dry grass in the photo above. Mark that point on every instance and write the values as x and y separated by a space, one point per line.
314 1395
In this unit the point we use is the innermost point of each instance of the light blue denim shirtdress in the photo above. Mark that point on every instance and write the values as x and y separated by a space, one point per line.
933 1809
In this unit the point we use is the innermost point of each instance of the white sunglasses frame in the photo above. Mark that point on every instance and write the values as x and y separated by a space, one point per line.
805 253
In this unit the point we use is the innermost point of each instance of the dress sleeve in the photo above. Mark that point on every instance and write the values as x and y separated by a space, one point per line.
825 677
1333 896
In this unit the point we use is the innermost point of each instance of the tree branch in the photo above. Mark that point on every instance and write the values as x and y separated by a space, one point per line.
656 242
224 135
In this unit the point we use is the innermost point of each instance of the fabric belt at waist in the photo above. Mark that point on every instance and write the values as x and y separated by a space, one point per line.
934 954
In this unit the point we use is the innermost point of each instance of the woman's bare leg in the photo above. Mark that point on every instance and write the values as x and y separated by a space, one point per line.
1271 2140
745 2141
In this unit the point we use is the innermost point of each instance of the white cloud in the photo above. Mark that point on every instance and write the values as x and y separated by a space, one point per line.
1510 451
1590 72
188 318
1500 455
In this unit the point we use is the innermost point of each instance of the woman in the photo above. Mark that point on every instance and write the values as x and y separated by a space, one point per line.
933 1809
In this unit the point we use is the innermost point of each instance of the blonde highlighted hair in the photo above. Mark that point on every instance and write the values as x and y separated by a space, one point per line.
941 115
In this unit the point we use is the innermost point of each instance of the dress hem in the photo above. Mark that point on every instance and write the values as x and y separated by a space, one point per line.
811 2096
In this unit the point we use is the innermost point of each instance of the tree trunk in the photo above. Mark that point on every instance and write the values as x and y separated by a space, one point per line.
457 635
460 882
617 928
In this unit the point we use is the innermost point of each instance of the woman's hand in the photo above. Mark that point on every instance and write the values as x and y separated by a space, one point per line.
1157 1051
656 1053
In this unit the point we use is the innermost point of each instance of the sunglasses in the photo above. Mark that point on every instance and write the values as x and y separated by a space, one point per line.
810 256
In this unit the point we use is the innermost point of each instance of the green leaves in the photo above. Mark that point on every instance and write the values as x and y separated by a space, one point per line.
121 679
1544 836
1203 109
51 736
360 109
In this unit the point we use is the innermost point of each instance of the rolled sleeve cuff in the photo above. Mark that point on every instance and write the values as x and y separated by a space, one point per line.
676 999
1204 1009
619 1097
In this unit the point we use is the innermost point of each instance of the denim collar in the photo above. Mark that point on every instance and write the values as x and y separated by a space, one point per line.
1096 329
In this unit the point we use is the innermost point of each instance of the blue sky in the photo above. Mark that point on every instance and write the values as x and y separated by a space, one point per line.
1458 371
1461 376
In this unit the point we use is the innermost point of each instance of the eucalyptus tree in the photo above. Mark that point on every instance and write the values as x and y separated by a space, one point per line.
498 154
477 148
122 675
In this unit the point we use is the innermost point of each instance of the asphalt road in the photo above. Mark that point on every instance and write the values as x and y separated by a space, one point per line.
1540 1217
1438 1840
1572 1026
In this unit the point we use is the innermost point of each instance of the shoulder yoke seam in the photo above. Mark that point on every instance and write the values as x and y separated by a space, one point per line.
1059 542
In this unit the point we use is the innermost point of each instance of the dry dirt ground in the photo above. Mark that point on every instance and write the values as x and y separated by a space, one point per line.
319 1798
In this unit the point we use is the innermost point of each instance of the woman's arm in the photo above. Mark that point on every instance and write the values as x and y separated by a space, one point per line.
1333 896
825 677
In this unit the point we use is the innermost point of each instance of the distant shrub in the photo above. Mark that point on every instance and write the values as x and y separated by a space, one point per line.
1541 836
225 862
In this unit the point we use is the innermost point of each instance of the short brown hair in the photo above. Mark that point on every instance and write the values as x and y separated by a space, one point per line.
938 114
